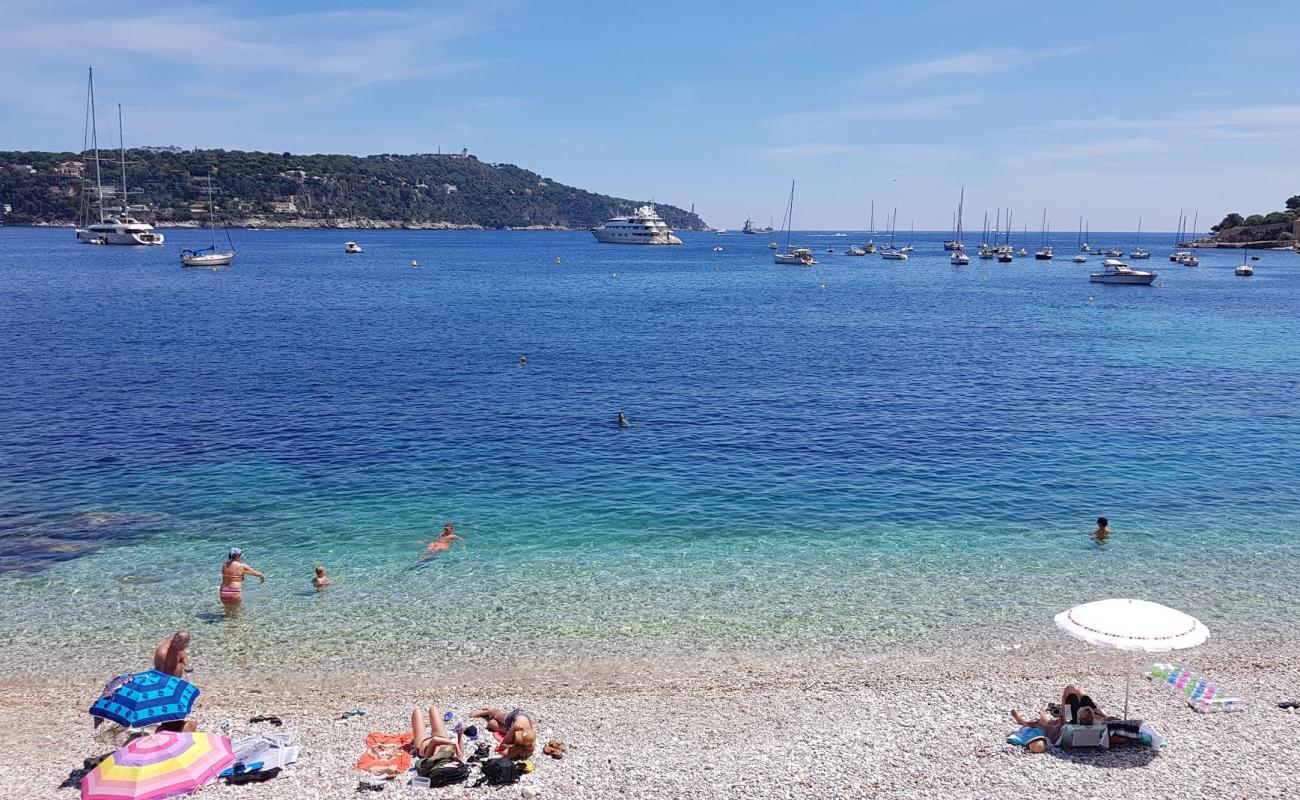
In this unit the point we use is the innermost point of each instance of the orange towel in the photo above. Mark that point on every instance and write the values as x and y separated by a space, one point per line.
386 752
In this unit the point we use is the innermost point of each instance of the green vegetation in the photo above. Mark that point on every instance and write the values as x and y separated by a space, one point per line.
314 189
1275 218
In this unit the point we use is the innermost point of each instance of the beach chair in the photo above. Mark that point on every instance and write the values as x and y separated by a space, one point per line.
1084 736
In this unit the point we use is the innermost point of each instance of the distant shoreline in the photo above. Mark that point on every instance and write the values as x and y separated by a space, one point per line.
326 224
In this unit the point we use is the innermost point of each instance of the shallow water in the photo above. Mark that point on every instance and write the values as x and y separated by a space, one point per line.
858 455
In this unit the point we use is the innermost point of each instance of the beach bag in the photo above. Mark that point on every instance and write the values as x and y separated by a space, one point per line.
443 772
498 771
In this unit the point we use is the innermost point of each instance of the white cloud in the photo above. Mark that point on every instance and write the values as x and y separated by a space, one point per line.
975 62
1102 148
811 150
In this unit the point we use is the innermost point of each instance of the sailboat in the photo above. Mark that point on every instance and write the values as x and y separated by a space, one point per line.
888 252
1044 253
870 246
911 234
121 229
798 256
1245 270
1080 258
1138 252
985 250
955 242
958 258
208 256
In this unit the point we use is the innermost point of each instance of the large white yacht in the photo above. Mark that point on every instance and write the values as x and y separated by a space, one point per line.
115 225
1116 271
643 226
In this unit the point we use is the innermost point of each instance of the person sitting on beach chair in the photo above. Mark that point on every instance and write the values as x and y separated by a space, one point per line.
434 742
1087 730
518 735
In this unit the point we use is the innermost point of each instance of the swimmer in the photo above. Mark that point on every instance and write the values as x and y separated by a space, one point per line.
320 581
233 573
622 421
443 542
1103 530
172 656
523 361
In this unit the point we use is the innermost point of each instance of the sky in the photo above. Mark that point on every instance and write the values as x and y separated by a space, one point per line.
1107 110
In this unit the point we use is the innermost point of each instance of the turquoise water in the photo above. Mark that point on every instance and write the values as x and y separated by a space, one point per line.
864 454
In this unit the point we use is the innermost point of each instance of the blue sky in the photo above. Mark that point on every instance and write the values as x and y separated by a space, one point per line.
1111 110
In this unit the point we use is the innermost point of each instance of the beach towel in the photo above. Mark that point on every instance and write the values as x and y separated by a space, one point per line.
268 751
386 753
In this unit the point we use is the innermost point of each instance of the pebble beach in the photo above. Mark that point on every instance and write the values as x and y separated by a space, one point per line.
924 724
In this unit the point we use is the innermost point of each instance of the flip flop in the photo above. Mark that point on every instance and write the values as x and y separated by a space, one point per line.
274 720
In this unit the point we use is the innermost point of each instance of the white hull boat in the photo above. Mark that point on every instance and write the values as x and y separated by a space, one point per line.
644 227
1114 271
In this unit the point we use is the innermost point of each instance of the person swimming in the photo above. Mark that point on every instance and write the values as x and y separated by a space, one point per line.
443 542
523 361
622 421
1103 530
233 573
320 581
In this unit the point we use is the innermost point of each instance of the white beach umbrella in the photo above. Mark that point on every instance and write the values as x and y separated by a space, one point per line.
1132 625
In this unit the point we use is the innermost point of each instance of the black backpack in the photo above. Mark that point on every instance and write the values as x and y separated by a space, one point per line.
498 771
443 772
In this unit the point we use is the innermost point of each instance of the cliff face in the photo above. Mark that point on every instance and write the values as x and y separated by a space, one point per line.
289 190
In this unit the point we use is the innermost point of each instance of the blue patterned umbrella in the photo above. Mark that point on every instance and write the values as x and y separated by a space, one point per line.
144 699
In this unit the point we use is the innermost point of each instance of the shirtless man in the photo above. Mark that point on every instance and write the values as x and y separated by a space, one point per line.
443 542
232 578
1103 530
519 735
172 656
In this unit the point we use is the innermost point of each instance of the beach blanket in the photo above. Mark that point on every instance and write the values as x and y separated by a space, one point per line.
386 753
1201 694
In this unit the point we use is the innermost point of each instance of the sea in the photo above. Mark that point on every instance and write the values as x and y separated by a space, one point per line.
852 458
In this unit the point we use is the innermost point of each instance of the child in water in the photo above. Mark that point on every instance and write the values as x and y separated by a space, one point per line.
1103 530
320 581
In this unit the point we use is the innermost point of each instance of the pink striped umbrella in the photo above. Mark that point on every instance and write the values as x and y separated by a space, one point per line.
159 766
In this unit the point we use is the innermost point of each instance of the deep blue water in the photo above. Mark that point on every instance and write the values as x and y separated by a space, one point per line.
854 454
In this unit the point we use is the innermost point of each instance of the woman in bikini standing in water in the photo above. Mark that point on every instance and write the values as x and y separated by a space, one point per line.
232 578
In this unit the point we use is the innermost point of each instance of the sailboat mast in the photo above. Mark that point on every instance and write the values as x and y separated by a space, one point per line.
960 202
94 143
1008 236
1139 238
790 217
121 149
872 232
212 213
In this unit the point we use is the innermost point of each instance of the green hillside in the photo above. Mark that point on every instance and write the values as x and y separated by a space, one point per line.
281 188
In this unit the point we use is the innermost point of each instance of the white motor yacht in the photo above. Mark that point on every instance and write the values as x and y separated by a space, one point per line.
352 247
643 226
959 259
1116 271
771 245
1139 254
120 230
893 255
854 250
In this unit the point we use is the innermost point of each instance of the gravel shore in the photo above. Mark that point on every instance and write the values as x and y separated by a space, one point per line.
925 725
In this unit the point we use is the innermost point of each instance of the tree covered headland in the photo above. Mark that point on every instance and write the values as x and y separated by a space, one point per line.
312 189
1275 218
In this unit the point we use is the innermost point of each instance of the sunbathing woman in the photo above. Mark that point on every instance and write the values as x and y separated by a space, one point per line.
434 742
519 736
1076 706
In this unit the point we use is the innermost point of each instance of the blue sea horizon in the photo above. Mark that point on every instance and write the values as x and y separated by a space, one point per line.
836 459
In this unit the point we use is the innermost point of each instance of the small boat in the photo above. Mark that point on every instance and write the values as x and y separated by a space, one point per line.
1138 252
721 231
1245 270
1022 252
854 250
1005 256
352 247
1080 259
771 245
830 249
1116 271
1188 260
959 259
1044 253
907 248
208 256
869 247
717 249
893 255
955 244
792 256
